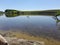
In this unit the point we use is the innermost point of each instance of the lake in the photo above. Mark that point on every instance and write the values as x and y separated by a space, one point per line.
45 26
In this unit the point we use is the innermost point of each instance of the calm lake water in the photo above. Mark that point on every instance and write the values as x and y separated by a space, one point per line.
46 26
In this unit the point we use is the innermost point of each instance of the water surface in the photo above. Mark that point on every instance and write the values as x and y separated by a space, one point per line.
46 26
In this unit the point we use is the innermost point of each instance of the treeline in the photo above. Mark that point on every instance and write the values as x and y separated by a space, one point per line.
10 12
1 12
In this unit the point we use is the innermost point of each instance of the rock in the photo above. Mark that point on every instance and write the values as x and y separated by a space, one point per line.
16 41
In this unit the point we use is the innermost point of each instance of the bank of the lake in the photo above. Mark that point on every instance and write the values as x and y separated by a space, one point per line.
21 35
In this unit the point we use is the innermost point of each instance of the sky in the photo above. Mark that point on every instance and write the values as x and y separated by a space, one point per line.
29 4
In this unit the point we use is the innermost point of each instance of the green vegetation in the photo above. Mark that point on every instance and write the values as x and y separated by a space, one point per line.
11 13
1 12
58 13
44 12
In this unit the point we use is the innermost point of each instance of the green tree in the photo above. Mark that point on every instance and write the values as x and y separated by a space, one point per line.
58 13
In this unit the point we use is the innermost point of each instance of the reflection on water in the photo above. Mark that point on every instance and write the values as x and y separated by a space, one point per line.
45 26
11 15
57 22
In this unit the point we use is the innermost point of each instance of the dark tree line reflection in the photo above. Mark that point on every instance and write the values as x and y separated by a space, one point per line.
57 22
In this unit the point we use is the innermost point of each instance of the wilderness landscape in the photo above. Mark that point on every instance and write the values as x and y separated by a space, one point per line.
30 25
29 22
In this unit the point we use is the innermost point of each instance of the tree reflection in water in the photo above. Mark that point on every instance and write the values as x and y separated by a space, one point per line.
57 22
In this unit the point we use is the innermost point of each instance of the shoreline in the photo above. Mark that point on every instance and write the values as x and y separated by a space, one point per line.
20 35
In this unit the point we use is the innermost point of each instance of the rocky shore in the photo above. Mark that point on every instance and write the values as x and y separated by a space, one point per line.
20 38
16 41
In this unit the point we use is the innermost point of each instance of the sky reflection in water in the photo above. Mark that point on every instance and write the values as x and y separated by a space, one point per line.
35 25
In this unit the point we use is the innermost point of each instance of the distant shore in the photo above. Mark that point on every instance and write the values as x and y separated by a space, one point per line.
12 12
